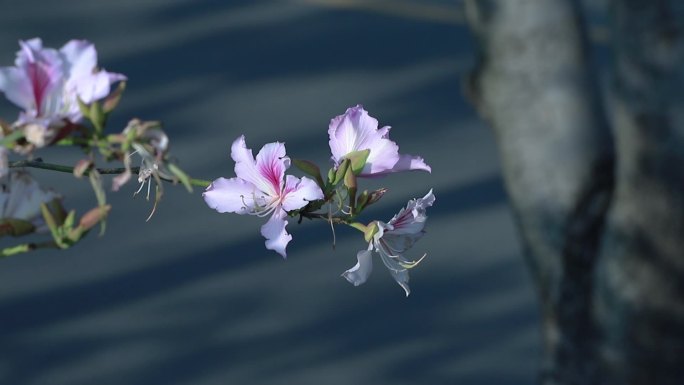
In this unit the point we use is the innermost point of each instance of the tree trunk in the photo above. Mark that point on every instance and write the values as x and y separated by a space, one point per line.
601 213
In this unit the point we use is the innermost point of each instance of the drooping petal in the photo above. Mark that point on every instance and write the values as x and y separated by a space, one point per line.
230 196
274 232
410 163
398 272
402 278
246 168
299 191
359 274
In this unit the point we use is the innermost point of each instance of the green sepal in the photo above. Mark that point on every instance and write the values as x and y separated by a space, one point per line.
97 117
52 225
359 226
371 230
358 160
84 108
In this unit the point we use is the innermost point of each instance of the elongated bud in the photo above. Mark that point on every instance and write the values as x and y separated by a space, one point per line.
376 195
15 227
341 171
81 167
113 99
94 216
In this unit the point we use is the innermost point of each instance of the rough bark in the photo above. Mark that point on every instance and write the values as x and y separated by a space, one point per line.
640 275
534 87
601 211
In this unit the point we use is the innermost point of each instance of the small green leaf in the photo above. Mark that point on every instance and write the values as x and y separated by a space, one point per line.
182 176
310 168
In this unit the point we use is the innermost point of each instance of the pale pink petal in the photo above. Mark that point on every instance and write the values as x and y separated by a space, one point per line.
245 167
80 58
16 86
355 131
230 196
298 192
359 274
43 69
271 162
411 220
91 88
274 232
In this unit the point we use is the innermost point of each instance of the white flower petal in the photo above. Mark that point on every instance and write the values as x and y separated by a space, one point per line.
274 232
230 196
300 191
359 274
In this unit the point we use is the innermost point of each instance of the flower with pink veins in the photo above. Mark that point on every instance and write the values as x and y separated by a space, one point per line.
355 130
261 188
391 240
47 84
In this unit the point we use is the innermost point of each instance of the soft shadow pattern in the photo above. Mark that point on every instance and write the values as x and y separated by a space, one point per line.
193 297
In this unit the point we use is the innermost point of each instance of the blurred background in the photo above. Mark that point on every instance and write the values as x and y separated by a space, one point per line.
192 296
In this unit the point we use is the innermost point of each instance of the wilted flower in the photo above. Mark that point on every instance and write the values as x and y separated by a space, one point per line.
357 131
21 197
391 240
151 143
262 188
47 84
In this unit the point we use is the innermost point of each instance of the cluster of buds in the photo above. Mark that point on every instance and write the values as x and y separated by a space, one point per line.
359 149
65 99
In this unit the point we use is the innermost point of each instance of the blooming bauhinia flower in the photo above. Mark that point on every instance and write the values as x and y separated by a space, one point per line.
262 188
391 240
21 197
47 84
357 131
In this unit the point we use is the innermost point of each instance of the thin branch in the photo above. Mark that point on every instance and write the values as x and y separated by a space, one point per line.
103 171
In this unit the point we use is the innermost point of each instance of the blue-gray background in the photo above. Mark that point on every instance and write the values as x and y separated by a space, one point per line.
192 297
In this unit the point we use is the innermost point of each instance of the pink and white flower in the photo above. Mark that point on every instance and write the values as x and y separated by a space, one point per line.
391 241
47 84
355 130
261 188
